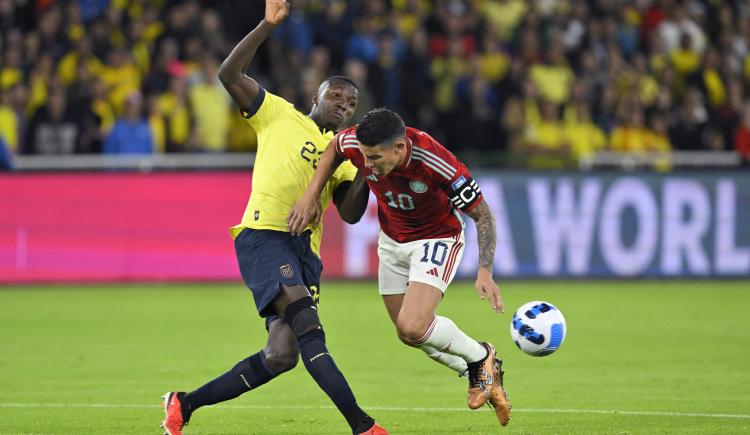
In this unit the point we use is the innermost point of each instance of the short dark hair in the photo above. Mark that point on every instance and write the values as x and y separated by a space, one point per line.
380 126
333 79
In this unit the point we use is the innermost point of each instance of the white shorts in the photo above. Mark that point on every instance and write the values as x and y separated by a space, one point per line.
429 261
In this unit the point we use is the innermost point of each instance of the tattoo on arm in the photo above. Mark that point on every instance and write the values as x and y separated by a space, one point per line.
486 236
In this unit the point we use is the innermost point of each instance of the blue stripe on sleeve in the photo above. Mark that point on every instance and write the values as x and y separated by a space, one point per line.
253 109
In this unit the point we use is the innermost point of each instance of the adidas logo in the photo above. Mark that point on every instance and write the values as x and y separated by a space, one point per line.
433 271
372 177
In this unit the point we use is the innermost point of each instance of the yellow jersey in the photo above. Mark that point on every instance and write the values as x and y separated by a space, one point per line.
289 146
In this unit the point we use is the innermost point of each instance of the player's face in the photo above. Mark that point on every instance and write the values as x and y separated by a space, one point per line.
335 104
381 159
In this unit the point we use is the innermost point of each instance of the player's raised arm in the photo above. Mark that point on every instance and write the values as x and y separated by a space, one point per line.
242 88
307 208
486 238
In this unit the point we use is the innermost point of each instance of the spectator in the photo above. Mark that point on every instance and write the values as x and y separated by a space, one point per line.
583 135
210 104
546 143
11 73
505 15
173 107
54 128
479 122
677 24
727 117
8 122
5 161
742 137
692 117
91 9
363 45
710 82
212 33
296 32
385 77
685 60
684 64
121 77
416 86
131 133
357 71
553 78
102 116
156 123
446 72
630 137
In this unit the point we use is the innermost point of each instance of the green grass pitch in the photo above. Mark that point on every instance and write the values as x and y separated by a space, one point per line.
639 357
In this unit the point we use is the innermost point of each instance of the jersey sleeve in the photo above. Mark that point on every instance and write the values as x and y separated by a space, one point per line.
463 190
453 177
346 143
345 172
266 109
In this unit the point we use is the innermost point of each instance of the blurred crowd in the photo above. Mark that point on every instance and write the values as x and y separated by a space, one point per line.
542 83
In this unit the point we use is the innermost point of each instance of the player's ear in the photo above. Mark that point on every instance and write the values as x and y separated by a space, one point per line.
315 98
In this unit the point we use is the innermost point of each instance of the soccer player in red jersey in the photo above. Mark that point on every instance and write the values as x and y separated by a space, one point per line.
420 188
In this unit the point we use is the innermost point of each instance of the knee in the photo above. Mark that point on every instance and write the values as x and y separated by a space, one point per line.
281 360
411 330
302 316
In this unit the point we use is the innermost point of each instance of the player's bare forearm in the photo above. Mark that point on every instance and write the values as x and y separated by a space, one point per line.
242 88
352 202
307 209
486 236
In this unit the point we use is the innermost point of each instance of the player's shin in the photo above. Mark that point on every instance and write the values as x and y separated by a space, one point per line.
302 316
445 336
453 362
247 374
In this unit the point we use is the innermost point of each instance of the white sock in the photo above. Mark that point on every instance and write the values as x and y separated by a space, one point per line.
453 362
444 336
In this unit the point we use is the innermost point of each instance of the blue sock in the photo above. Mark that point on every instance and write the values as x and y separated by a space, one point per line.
247 374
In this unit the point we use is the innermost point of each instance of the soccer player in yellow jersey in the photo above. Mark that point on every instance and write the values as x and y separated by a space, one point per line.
283 270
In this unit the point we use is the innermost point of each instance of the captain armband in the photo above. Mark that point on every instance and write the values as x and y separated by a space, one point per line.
465 193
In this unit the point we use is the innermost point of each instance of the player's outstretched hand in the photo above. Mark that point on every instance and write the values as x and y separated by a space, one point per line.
276 11
487 289
305 211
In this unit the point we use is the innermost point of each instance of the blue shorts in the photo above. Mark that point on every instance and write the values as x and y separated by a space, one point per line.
269 258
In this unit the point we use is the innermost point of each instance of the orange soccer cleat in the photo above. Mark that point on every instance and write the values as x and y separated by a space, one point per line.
173 415
498 395
481 378
376 429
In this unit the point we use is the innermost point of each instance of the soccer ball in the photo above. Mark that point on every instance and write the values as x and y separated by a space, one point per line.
538 328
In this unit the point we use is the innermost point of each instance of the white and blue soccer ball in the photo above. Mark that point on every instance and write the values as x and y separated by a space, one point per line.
538 328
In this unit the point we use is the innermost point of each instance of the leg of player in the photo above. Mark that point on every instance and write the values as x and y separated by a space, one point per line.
300 312
453 362
418 325
280 355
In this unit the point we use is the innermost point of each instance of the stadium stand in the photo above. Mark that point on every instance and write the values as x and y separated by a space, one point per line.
544 84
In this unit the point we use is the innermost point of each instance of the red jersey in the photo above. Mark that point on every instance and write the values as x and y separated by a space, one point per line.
419 199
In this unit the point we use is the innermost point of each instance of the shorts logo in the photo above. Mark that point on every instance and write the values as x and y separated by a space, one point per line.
286 271
418 186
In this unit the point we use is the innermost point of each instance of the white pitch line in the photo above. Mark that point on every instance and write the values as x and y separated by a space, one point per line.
392 408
